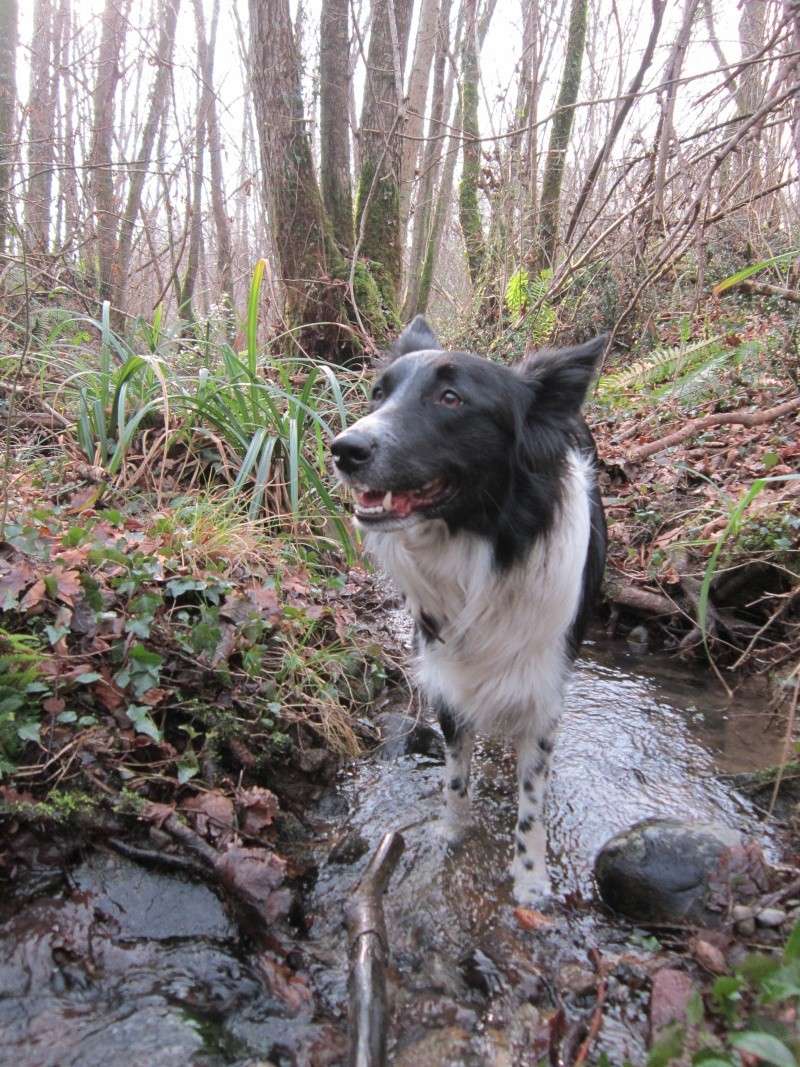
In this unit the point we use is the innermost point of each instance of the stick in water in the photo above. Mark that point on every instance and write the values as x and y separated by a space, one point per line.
369 954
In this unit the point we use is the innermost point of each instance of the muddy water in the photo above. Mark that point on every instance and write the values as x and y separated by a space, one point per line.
115 964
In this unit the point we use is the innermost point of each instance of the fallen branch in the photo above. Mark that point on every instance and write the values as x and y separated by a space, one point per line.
597 1014
738 418
640 600
369 954
762 289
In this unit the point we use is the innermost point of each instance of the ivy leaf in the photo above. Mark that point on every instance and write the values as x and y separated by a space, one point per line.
139 714
765 1046
29 731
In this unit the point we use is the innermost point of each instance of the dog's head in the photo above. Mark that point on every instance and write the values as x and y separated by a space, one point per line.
447 430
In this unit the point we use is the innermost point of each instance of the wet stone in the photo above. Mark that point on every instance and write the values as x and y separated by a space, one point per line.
573 978
771 917
669 1000
349 849
660 870
145 904
481 973
441 1048
403 736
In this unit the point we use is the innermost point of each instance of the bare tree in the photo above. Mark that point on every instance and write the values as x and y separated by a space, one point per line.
468 209
378 197
431 162
139 169
550 203
419 79
311 267
41 128
112 35
222 226
334 77
8 101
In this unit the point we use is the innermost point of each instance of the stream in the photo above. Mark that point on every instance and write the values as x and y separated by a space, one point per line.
109 962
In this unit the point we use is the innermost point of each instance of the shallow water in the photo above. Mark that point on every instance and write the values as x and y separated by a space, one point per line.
117 964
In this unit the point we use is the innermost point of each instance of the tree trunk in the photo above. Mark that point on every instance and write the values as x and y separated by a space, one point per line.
417 96
101 176
666 127
659 7
378 197
312 268
468 208
8 101
41 130
431 162
443 195
550 203
159 95
195 222
334 77
219 207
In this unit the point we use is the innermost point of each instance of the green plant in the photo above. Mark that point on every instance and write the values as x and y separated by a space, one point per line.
21 659
754 268
731 531
122 380
529 294
744 1015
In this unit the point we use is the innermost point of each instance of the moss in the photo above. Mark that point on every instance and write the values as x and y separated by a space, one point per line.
380 241
62 807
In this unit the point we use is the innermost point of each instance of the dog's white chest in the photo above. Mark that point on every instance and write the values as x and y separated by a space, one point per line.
499 659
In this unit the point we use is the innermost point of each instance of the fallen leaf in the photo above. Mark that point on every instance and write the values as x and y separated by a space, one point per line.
213 816
529 919
34 596
15 577
291 988
256 874
708 956
54 705
257 809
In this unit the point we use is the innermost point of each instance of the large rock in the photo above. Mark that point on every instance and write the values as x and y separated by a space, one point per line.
661 870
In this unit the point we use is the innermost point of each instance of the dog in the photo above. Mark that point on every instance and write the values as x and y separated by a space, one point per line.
475 491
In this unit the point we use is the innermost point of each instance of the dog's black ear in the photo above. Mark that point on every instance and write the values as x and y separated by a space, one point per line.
561 376
416 337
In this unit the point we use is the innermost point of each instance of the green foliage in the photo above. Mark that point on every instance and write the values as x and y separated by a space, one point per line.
729 534
754 268
674 363
21 659
529 294
261 421
743 1012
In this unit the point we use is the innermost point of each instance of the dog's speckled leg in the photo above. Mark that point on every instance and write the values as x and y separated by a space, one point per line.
458 757
529 868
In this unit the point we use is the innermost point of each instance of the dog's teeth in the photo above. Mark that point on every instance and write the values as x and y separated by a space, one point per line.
387 501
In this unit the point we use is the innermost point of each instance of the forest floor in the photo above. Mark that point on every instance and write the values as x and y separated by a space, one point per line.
178 683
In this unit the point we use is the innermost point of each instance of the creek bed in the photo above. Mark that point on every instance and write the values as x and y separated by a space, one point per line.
112 963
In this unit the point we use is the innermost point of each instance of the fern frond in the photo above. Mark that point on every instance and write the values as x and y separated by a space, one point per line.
658 365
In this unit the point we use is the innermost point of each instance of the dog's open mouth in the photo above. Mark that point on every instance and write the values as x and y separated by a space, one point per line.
376 504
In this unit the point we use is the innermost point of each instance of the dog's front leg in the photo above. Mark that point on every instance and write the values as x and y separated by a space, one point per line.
458 756
529 868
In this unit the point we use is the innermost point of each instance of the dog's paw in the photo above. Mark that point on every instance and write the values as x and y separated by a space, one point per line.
532 888
454 831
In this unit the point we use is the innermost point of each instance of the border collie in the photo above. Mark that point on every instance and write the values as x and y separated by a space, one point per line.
475 490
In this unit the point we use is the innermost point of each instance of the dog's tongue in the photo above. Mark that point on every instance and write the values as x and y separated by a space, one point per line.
400 503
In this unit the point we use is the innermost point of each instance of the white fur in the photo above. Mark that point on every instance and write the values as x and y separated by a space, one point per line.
501 661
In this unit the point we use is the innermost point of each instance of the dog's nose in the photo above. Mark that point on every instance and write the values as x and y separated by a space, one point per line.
352 450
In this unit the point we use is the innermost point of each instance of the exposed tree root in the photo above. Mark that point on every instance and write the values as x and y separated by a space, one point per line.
738 418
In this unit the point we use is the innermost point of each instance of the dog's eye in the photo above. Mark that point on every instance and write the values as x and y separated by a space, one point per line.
377 394
450 399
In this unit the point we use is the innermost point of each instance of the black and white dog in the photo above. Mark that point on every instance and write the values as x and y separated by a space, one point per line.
476 491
